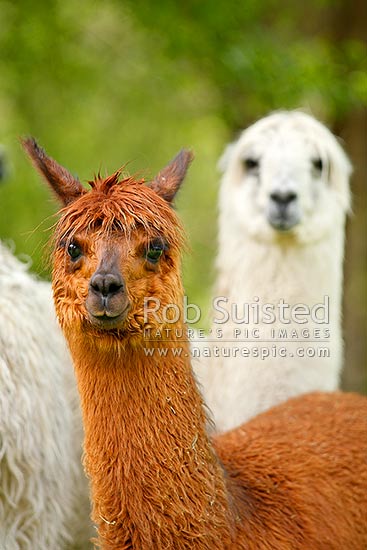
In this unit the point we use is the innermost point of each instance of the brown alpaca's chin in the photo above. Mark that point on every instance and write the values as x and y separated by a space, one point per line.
106 322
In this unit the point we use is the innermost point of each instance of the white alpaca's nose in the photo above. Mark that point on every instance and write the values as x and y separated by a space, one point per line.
283 197
283 210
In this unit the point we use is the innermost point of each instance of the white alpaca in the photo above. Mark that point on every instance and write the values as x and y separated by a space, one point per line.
282 208
43 491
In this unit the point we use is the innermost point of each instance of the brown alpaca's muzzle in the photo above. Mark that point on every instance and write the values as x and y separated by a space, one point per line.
107 302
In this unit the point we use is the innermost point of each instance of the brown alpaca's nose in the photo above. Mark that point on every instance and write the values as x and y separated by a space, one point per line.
106 284
107 303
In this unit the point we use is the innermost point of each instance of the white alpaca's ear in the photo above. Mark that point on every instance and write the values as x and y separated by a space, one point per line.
223 162
168 181
65 186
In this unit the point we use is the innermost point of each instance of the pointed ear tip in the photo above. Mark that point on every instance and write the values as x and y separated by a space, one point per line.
188 154
185 157
29 143
26 139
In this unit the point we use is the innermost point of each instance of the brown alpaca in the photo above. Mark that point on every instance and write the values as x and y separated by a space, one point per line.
293 478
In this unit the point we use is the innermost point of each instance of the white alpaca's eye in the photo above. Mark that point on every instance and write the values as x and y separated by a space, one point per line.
250 164
317 164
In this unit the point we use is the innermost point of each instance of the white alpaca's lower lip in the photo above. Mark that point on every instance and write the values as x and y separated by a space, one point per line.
282 224
282 219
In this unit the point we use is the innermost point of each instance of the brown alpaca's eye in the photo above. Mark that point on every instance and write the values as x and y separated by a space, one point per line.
74 251
154 252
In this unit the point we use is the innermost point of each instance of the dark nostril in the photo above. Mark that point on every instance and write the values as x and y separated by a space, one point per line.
283 197
114 287
106 284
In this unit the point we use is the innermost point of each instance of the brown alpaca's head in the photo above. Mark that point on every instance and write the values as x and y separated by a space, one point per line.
115 246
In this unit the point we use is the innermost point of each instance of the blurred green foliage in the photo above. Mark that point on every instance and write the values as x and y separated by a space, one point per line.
105 83
262 54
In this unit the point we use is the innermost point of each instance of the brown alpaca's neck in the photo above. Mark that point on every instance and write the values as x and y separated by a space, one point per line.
155 480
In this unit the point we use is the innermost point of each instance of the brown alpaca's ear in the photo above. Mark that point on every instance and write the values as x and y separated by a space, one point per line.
168 181
66 187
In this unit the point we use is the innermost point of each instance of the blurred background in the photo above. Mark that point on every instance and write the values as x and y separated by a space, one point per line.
104 82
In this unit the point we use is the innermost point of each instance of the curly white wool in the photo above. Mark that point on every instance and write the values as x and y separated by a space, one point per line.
43 490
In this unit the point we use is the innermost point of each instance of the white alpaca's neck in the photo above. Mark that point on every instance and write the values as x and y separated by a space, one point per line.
237 387
284 269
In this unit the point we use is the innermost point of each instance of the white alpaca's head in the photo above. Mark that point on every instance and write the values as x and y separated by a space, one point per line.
285 175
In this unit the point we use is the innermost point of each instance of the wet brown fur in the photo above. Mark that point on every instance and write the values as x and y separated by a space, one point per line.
293 478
